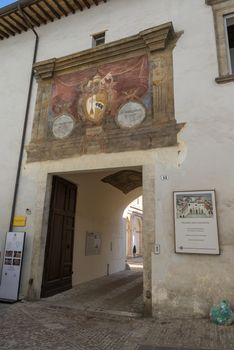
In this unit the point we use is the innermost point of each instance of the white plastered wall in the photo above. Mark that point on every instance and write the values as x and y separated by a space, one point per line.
99 209
15 67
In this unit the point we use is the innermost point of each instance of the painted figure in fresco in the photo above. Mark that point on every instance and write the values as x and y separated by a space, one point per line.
159 72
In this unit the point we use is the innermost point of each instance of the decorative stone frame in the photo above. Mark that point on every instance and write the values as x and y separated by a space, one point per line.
160 128
44 188
220 9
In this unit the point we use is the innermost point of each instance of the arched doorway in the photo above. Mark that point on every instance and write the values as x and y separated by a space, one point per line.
99 249
133 214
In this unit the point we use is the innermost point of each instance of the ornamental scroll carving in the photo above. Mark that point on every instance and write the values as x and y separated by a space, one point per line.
120 98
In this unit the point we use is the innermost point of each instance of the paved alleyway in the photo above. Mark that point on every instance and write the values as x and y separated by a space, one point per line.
100 315
119 293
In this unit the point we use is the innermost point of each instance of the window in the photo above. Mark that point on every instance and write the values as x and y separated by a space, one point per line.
229 25
223 11
98 39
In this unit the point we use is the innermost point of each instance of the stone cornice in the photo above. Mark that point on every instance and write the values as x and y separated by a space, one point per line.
149 40
214 2
225 79
164 135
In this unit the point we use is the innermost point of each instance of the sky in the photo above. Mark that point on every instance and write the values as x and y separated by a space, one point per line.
6 2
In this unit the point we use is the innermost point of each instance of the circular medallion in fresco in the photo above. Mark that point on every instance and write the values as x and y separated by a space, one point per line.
130 115
63 126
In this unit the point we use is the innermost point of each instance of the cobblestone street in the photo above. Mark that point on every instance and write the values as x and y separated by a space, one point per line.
100 315
41 326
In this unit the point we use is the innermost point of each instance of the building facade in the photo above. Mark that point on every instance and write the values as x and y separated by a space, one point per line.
147 112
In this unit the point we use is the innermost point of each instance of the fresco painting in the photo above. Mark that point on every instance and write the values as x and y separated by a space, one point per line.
194 205
93 94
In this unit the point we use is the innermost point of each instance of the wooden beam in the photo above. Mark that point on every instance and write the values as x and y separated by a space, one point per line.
78 4
46 14
5 35
69 6
16 29
6 28
52 9
86 3
41 19
60 8
21 25
30 17
40 12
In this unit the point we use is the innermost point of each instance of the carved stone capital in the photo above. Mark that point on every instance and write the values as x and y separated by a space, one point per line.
214 2
45 69
158 37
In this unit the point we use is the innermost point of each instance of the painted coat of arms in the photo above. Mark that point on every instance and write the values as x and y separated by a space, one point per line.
96 98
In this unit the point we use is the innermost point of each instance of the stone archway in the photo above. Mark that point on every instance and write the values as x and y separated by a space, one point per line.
38 251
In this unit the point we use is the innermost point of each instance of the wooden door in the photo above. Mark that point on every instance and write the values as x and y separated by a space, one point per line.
57 275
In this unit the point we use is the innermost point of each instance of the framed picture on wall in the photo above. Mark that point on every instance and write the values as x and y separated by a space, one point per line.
196 228
93 243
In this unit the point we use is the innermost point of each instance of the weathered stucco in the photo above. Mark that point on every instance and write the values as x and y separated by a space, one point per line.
91 88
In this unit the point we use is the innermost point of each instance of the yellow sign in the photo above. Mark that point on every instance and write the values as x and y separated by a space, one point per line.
19 221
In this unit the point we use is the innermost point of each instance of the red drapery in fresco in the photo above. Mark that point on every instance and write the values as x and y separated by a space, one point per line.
123 81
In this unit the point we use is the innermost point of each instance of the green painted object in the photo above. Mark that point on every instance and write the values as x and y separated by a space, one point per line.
222 314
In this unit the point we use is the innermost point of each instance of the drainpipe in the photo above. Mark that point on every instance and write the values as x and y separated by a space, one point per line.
24 15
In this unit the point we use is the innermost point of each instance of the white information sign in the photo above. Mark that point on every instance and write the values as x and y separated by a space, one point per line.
196 230
93 243
12 264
